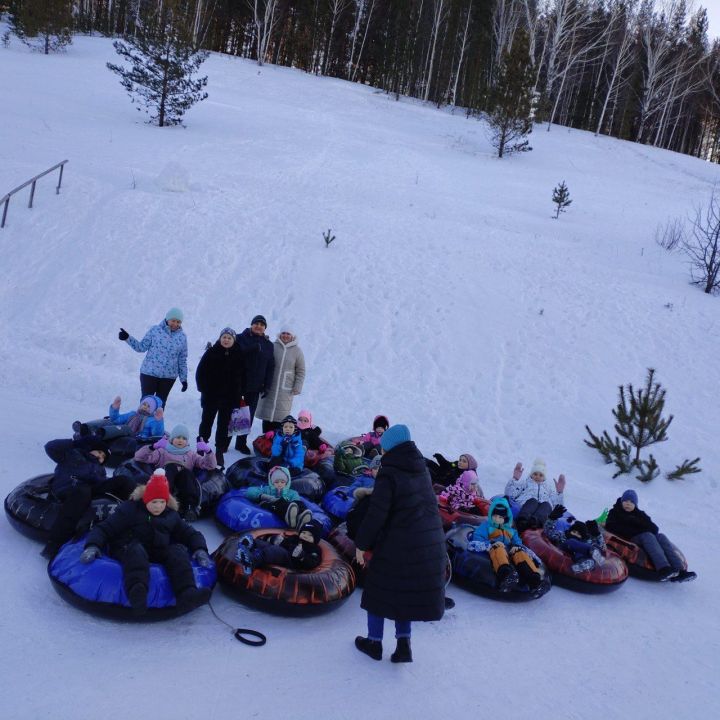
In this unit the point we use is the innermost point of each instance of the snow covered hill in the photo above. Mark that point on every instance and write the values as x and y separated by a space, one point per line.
451 300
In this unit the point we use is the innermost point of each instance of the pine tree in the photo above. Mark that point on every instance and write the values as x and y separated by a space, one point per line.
561 197
510 117
163 61
42 24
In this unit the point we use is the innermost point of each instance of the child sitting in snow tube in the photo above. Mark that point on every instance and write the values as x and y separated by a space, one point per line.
533 495
316 447
444 472
143 530
251 472
349 458
370 442
284 572
460 502
287 447
179 460
660 559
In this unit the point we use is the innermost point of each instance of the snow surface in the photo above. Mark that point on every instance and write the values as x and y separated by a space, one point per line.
451 301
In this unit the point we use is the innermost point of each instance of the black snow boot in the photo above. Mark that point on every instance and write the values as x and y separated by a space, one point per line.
137 595
191 598
402 653
241 445
372 648
507 578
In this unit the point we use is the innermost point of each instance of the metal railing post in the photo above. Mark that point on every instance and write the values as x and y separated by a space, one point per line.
57 189
32 193
7 202
5 199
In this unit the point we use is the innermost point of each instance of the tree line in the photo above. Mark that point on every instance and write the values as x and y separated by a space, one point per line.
640 70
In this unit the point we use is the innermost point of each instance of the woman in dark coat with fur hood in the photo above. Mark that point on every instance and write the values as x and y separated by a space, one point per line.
402 532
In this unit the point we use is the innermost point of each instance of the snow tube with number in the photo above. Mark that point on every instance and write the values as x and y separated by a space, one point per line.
601 579
251 472
283 590
213 483
473 571
97 587
239 514
32 509
636 559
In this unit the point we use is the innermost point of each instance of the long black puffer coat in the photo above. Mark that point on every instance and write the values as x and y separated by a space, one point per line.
219 375
132 522
405 578
258 359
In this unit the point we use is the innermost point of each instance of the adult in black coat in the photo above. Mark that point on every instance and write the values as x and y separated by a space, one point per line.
258 368
405 580
219 378
147 528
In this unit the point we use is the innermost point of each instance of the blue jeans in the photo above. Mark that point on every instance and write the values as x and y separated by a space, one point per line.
660 550
376 624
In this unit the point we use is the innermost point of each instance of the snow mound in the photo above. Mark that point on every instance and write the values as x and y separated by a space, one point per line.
174 178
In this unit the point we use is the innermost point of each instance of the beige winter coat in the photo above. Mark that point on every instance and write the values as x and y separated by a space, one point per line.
289 375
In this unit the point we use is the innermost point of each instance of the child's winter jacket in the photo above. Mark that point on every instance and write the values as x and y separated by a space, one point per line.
151 427
75 465
462 494
254 493
160 457
348 463
166 352
628 524
311 438
520 491
488 533
372 438
290 448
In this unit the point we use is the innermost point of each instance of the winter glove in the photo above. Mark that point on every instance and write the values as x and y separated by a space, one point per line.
560 484
203 447
116 402
557 512
323 447
297 552
496 545
123 334
183 386
517 471
159 414
267 498
90 553
476 546
592 528
202 558
161 443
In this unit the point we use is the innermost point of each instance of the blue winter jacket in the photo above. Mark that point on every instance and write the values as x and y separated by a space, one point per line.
254 493
290 448
151 428
166 352
75 465
488 533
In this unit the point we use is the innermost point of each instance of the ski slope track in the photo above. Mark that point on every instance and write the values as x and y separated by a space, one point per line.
451 300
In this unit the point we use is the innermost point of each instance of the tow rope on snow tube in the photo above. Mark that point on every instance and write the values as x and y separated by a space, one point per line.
246 636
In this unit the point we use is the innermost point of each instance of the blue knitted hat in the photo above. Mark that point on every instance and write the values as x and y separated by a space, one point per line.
180 431
174 314
630 495
393 436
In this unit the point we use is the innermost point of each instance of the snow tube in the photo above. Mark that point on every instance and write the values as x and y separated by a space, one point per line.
251 472
121 445
345 546
338 502
98 588
32 509
213 483
636 559
262 444
238 514
606 578
285 591
473 571
332 479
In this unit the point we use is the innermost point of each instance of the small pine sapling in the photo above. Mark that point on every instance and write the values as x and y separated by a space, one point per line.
649 469
561 198
688 467
328 237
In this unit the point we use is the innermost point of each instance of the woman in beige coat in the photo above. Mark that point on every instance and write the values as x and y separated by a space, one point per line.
287 381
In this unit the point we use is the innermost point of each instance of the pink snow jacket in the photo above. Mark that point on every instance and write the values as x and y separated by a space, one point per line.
462 494
160 457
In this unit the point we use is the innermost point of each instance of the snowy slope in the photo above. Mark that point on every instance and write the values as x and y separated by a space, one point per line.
451 300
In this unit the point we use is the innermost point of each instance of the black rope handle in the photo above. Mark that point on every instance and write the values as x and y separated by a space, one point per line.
254 638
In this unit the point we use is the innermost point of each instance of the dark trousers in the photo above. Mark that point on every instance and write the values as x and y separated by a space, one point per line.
151 385
268 554
183 485
268 425
533 513
135 561
75 501
210 409
251 400
278 460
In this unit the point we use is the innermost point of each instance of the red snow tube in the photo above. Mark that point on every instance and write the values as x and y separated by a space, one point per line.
282 590
345 546
635 557
601 579
262 444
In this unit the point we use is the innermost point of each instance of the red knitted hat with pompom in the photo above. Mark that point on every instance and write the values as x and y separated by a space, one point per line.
157 488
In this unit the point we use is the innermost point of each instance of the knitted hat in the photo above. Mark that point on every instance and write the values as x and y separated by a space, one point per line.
581 529
279 471
289 419
471 461
314 528
539 467
468 478
259 319
180 431
285 328
381 421
500 510
174 314
153 401
228 331
630 495
93 443
157 488
302 424
394 435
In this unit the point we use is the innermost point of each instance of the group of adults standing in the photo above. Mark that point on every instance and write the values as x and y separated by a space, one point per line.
405 579
245 368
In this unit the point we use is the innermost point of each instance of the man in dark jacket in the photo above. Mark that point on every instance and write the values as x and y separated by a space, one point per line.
79 477
405 580
259 365
219 378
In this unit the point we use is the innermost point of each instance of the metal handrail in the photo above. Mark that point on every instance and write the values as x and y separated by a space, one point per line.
6 198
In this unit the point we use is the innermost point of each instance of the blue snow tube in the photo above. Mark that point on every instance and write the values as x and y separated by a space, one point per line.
253 472
97 587
213 483
332 479
473 571
338 502
235 512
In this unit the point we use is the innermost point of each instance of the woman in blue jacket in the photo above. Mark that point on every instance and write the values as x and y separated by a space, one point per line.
165 348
